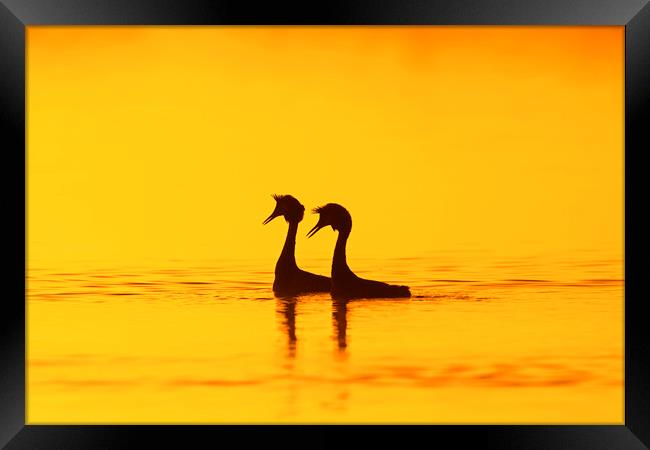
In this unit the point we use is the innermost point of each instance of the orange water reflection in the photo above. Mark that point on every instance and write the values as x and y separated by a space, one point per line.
485 340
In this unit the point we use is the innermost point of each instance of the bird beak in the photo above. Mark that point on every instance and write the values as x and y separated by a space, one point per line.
317 227
273 215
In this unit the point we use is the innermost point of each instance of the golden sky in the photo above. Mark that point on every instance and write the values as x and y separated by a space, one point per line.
159 143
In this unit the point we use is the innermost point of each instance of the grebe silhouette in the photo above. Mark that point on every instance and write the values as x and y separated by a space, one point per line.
289 279
345 284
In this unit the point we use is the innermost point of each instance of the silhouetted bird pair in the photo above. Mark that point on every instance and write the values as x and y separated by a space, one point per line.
344 284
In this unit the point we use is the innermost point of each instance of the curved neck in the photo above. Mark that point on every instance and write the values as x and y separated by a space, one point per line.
288 257
339 263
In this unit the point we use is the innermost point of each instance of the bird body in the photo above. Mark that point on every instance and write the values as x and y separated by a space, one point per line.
356 287
289 278
345 284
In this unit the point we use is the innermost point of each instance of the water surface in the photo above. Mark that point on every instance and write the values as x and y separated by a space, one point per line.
484 339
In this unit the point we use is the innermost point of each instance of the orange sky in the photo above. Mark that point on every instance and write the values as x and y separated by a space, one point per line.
157 143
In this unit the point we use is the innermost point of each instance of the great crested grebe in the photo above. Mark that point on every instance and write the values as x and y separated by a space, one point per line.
289 279
345 284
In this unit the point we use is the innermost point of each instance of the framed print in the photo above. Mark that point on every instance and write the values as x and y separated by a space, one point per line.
407 221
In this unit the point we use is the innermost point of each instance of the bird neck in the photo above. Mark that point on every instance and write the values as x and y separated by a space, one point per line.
288 256
339 263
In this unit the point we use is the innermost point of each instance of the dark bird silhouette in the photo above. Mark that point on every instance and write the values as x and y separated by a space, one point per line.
345 284
289 279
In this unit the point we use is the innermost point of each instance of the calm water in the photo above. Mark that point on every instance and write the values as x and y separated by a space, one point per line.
483 340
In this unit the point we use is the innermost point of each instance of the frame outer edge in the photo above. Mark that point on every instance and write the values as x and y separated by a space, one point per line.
12 121
360 12
637 118
12 132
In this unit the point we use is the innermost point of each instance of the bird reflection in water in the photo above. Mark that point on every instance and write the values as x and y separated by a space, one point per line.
340 320
286 308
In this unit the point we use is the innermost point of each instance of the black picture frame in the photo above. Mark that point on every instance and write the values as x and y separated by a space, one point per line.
15 15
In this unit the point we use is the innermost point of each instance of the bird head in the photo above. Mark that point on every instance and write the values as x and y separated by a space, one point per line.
287 206
334 215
